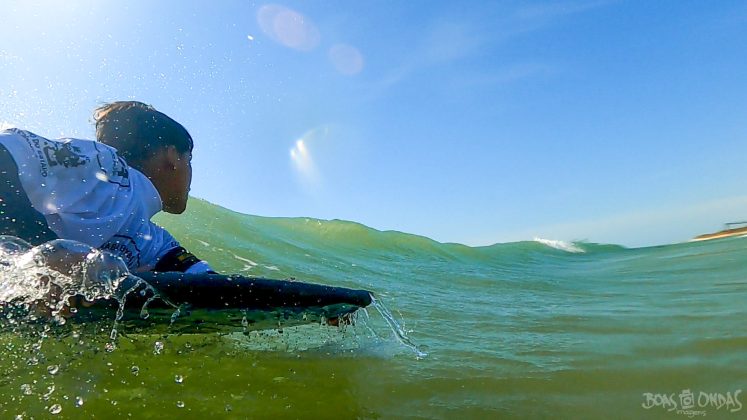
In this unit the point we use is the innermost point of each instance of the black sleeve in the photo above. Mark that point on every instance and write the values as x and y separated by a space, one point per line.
178 259
17 216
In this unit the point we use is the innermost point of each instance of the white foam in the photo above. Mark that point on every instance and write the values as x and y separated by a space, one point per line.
561 245
246 260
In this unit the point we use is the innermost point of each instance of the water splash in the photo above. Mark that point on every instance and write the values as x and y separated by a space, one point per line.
40 281
130 284
177 313
397 329
46 282
144 310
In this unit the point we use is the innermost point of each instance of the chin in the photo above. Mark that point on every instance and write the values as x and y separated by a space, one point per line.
176 208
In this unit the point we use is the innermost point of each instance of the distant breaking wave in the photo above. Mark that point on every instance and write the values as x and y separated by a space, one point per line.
561 245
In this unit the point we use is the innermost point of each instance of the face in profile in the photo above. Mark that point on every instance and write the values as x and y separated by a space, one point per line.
175 181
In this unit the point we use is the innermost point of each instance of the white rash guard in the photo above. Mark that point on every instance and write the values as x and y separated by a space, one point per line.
87 193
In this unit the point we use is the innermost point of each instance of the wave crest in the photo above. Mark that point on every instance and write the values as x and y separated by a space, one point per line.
561 245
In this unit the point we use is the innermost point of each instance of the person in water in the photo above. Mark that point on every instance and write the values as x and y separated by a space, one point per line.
103 192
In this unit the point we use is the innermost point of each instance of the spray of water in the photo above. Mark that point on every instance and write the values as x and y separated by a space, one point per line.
397 329
46 281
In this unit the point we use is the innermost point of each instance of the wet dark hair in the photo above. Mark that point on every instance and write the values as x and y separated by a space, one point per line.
138 130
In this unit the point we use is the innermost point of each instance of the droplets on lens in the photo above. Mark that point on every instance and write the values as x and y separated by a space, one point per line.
26 389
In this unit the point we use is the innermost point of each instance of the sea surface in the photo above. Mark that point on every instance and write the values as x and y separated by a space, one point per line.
535 329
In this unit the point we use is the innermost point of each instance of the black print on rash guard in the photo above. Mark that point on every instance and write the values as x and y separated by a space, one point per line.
64 154
34 142
124 247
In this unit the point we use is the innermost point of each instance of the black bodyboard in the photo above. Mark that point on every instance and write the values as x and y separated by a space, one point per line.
214 302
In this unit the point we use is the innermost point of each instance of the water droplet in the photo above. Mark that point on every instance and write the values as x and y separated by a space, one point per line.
229 408
50 391
26 389
110 347
114 402
78 401
135 370
180 404
55 409
178 379
158 347
53 369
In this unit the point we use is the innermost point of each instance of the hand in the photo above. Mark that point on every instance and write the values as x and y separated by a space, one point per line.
49 306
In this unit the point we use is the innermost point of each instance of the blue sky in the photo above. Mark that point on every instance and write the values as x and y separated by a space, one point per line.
473 122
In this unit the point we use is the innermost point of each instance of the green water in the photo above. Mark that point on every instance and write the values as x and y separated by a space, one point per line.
512 330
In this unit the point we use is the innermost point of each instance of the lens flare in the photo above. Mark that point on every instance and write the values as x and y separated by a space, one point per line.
346 59
302 157
288 27
301 146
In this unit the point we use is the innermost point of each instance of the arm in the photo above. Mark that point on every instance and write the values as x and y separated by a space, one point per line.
152 248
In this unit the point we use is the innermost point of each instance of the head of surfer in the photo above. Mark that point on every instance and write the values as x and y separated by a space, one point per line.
153 143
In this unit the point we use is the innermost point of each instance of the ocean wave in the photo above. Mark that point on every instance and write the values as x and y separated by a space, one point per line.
293 244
